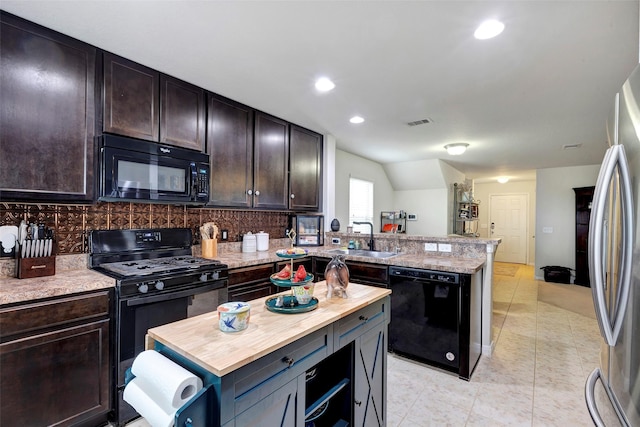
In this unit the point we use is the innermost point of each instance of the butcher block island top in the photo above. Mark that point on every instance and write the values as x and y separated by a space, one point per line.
200 340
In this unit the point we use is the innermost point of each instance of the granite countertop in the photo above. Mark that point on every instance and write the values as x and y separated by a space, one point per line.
64 282
72 276
424 261
200 340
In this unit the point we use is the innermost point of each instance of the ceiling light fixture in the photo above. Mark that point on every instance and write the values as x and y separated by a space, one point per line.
323 84
356 119
503 179
488 29
456 149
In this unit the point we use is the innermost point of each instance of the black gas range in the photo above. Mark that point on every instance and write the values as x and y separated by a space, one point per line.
157 281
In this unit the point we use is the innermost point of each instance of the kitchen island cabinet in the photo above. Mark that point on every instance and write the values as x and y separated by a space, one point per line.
265 372
55 361
47 114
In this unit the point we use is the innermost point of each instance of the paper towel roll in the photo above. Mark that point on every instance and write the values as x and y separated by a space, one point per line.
136 395
173 384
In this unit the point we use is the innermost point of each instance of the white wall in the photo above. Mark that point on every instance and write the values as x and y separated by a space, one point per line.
349 165
484 191
555 209
431 208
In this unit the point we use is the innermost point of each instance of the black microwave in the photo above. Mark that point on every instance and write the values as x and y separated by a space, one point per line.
136 170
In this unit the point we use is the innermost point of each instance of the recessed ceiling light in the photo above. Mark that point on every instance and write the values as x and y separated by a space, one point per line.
503 179
456 149
356 119
488 29
323 84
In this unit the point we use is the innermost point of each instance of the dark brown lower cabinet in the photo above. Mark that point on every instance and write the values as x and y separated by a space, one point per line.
55 362
248 283
364 273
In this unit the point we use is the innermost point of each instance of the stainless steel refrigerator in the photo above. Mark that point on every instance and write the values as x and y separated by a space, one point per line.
612 391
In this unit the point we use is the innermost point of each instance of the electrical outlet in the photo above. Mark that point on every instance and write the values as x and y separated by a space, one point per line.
431 247
335 240
412 217
444 247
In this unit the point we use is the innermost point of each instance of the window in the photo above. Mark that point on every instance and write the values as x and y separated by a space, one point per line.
360 203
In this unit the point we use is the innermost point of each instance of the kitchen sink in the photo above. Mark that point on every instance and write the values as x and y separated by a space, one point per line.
363 252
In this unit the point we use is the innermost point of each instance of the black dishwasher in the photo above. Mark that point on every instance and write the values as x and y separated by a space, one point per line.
436 318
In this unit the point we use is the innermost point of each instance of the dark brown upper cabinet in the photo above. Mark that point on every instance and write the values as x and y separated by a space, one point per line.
230 148
270 162
131 99
305 166
182 114
47 114
142 103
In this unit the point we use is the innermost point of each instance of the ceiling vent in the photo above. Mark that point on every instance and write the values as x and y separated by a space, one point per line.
571 146
420 122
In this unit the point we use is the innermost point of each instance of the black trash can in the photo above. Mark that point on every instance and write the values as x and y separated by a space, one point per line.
557 274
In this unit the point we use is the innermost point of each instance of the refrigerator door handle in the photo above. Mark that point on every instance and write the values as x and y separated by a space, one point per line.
589 397
615 160
597 242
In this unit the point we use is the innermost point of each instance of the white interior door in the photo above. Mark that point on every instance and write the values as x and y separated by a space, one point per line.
508 219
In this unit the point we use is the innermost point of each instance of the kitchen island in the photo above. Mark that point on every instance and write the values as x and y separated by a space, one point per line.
285 366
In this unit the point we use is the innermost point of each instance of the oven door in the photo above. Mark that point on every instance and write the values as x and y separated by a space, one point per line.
136 170
139 314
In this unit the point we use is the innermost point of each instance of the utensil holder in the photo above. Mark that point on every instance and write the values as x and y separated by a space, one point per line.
28 268
209 248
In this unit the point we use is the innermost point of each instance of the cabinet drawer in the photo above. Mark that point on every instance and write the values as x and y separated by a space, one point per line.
251 292
256 381
356 324
239 276
367 272
48 314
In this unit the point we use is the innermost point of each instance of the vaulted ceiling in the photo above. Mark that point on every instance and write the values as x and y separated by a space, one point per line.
546 82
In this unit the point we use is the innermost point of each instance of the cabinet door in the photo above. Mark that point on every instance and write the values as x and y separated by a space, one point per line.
47 113
230 147
305 165
280 408
60 377
182 114
370 388
271 160
131 98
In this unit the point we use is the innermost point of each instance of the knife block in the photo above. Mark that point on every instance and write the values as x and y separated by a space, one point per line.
36 267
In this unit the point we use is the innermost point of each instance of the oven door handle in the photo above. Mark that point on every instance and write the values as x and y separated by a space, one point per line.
175 295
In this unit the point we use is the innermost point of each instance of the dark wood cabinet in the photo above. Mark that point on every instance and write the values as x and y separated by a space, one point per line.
271 161
248 283
47 114
143 103
55 358
182 114
230 148
131 98
584 197
364 273
305 166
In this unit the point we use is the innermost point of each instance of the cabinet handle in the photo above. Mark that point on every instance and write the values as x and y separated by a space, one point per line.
289 361
249 192
363 318
358 402
293 196
257 192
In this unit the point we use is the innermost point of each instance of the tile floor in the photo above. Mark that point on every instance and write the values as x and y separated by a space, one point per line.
535 376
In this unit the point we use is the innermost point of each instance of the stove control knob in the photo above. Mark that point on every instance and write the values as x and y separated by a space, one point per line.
203 277
143 288
159 285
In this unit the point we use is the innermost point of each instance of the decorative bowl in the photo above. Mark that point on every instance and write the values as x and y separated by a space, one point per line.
233 316
303 293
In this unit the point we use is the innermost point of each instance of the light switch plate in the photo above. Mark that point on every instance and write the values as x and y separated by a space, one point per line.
444 247
335 240
412 217
547 230
431 247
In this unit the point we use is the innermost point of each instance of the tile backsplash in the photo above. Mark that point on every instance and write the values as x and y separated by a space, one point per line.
72 223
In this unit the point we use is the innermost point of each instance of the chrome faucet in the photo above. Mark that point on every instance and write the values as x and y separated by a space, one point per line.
371 242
